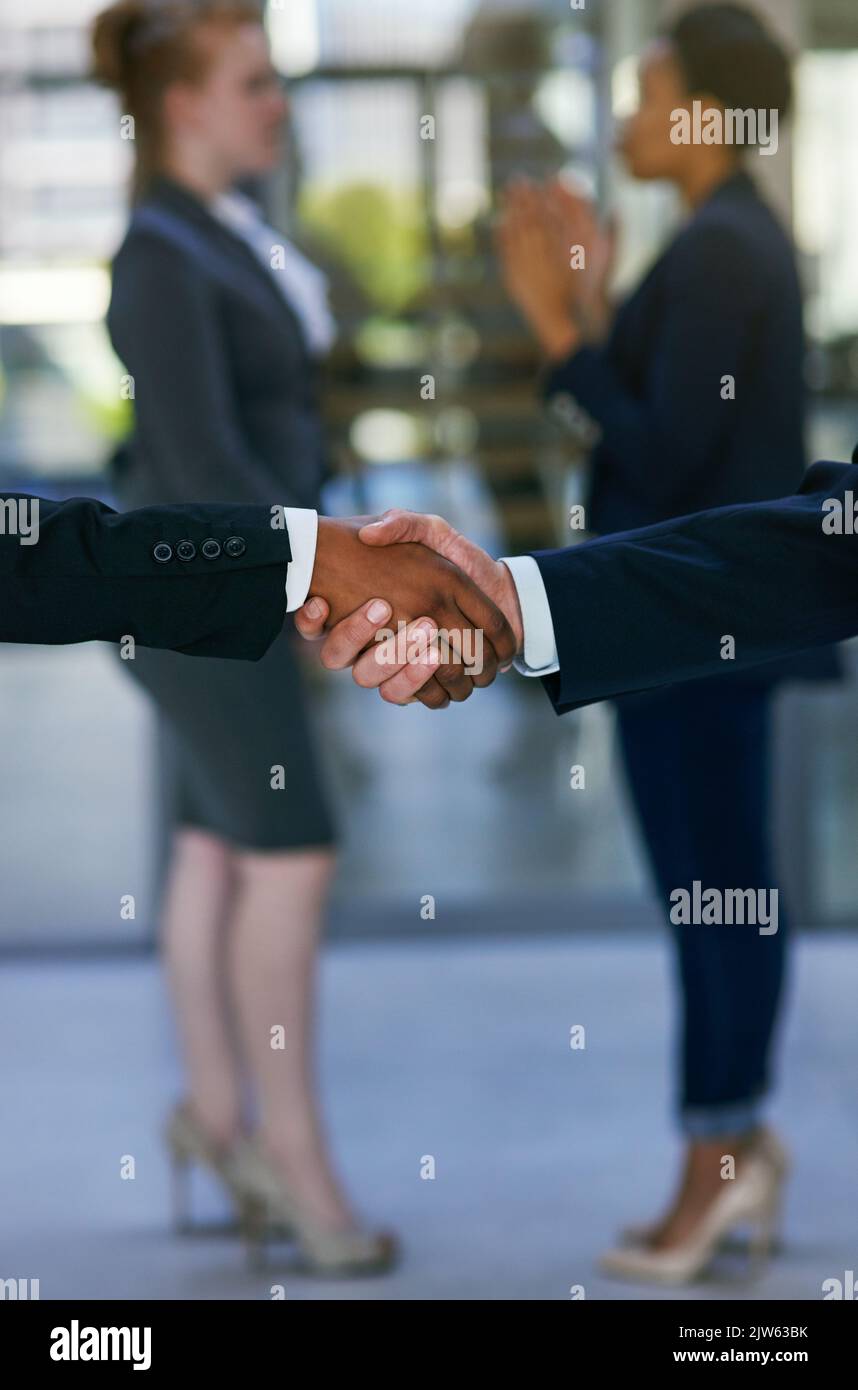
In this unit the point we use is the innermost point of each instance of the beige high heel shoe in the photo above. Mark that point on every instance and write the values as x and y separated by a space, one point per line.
750 1199
269 1207
189 1143
770 1146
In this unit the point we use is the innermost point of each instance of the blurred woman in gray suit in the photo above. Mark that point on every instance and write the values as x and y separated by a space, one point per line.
220 322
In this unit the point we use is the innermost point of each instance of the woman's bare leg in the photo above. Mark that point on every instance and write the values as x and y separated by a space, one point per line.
197 906
274 939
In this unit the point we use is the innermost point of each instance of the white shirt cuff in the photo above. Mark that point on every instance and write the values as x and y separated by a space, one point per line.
303 526
540 646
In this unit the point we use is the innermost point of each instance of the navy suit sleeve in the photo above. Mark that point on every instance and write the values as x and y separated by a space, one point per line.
165 324
663 437
86 573
648 608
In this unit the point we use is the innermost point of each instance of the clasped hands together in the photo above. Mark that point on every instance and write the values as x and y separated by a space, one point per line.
442 587
556 257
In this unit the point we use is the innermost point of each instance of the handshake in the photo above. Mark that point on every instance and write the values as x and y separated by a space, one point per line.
451 622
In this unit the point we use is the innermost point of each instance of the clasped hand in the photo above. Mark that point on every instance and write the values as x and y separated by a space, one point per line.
450 601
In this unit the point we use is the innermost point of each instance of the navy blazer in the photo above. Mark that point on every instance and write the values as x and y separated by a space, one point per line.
205 580
648 608
723 300
225 390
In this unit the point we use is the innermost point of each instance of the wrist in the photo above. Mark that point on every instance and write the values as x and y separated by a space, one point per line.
510 605
334 563
321 560
324 538
336 539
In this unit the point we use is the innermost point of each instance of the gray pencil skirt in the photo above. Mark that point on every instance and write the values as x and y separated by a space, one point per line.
237 747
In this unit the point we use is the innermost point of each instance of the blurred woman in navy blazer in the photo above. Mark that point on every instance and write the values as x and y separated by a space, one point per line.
696 386
221 323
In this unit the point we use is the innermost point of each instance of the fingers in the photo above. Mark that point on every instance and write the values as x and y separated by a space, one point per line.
395 667
473 609
415 680
494 639
438 535
476 635
311 617
345 642
467 660
402 667
573 204
522 197
456 652
457 684
383 661
431 695
397 525
403 671
490 668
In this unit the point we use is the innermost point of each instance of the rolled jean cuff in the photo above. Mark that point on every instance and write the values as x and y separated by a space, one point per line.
711 1121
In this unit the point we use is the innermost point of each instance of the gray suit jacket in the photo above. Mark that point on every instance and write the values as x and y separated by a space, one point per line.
224 387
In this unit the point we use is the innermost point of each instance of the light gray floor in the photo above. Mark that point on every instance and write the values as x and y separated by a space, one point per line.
458 1050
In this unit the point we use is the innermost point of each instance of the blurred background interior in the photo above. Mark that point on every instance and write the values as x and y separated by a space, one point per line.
474 806
402 224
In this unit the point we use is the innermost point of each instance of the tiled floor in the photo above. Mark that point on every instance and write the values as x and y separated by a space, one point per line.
457 1050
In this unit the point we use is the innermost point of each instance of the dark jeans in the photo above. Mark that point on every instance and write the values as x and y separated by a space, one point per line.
697 758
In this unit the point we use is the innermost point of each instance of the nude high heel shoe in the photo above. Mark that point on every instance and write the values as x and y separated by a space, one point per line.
766 1143
751 1199
189 1143
773 1148
268 1206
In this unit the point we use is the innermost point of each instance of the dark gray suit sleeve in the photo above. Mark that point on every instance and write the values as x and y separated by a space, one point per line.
649 608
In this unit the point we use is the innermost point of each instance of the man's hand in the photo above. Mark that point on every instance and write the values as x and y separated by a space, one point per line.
352 642
419 581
